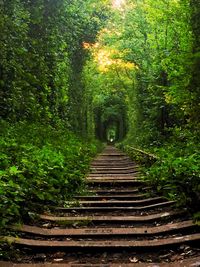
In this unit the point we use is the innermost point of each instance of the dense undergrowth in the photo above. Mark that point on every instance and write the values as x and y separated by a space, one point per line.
173 169
39 164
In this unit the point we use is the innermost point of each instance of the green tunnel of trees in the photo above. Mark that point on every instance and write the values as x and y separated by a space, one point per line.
75 71
111 120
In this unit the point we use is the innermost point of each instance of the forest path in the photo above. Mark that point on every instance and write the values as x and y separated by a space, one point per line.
120 222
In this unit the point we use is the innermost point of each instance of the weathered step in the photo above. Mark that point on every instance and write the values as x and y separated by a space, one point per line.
191 262
113 159
117 168
131 203
116 161
120 191
114 176
117 245
105 208
116 197
113 172
113 191
107 164
114 219
124 182
141 231
112 154
113 165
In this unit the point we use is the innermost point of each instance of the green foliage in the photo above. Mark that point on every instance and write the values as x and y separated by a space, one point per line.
197 218
162 39
42 56
106 78
173 169
157 36
43 100
39 164
177 174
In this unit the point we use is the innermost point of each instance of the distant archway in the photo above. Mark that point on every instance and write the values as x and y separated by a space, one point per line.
111 120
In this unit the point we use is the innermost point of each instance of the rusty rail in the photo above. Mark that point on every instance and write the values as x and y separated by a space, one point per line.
150 155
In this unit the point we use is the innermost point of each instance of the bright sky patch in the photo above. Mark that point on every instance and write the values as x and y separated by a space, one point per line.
118 3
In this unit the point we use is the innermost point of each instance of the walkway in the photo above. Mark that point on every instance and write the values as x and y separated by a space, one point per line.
121 222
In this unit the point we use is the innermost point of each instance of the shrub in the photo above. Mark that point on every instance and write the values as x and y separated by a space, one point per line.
39 164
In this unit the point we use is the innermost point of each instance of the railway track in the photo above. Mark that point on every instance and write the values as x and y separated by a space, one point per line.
120 222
